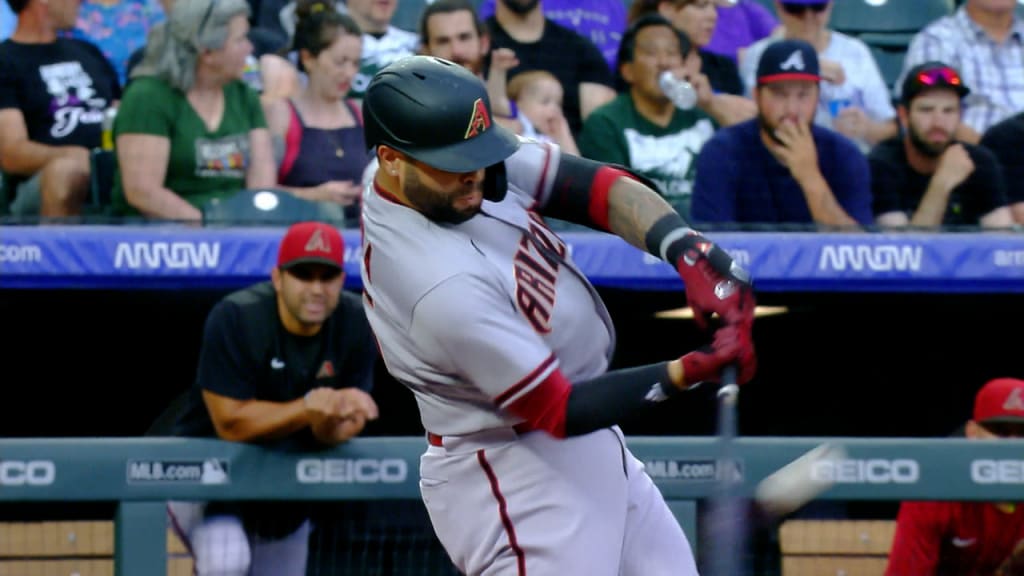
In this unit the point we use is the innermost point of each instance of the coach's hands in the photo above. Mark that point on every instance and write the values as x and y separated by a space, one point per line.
731 345
715 284
340 404
337 415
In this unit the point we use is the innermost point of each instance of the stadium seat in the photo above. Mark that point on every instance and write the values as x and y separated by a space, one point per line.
891 17
769 4
268 207
6 194
407 16
101 180
889 52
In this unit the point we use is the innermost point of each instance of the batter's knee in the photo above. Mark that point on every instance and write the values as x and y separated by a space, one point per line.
221 548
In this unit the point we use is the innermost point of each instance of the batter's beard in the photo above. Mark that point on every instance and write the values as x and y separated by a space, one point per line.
927 148
521 7
432 203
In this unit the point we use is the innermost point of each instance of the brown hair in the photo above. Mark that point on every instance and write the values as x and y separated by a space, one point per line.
523 81
640 8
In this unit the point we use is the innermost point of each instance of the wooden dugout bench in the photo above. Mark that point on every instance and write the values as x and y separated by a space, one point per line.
72 548
835 547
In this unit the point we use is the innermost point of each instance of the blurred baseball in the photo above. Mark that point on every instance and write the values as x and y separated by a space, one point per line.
795 484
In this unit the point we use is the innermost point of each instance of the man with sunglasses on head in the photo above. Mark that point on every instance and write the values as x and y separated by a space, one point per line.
855 99
967 538
984 39
926 178
285 364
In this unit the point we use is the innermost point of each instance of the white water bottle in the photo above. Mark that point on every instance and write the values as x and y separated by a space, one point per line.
680 92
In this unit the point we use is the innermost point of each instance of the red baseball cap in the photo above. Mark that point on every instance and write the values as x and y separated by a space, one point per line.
311 243
1000 401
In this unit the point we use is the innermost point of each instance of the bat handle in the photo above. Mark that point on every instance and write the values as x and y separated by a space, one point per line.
729 391
727 525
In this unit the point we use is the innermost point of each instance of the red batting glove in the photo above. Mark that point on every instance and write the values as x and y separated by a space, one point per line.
731 344
715 284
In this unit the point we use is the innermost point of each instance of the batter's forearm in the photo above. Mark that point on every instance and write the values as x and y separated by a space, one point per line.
618 395
633 209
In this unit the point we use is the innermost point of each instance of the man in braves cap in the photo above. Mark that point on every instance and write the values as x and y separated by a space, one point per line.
968 537
286 364
780 167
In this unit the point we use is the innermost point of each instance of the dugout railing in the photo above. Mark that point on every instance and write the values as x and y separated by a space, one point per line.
142 474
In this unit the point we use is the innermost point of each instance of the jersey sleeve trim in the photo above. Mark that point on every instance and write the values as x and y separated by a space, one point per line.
527 383
538 192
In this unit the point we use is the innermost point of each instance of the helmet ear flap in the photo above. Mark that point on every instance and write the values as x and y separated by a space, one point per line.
495 182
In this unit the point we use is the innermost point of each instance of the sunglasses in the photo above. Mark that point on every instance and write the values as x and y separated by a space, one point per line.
795 9
314 272
206 18
939 76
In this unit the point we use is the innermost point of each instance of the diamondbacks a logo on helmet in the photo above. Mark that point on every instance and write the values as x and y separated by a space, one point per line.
480 121
317 243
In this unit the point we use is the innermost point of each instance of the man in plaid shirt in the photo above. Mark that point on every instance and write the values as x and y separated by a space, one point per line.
985 41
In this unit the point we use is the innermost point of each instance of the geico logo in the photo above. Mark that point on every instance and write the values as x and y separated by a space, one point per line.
31 473
351 471
997 471
875 471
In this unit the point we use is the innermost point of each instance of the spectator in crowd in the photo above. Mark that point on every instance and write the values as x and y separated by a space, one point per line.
189 130
1005 141
287 365
984 40
320 131
541 44
118 27
382 42
740 24
781 167
538 98
926 178
697 19
264 43
451 29
280 16
968 537
600 21
8 21
54 92
855 99
642 128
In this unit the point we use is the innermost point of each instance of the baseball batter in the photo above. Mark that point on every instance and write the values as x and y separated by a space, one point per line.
479 309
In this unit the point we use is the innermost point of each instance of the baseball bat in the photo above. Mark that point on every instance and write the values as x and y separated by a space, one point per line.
727 517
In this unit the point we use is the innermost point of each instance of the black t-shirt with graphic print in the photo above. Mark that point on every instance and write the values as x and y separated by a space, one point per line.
570 57
896 187
62 89
248 355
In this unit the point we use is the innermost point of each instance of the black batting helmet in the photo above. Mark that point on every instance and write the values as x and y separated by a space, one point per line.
438 113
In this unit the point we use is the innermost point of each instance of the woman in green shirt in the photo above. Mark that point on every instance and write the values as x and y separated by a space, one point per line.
188 129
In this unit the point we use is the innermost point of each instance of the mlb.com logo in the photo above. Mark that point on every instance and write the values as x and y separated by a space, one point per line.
210 471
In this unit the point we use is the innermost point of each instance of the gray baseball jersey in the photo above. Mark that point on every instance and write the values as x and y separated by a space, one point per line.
472 317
